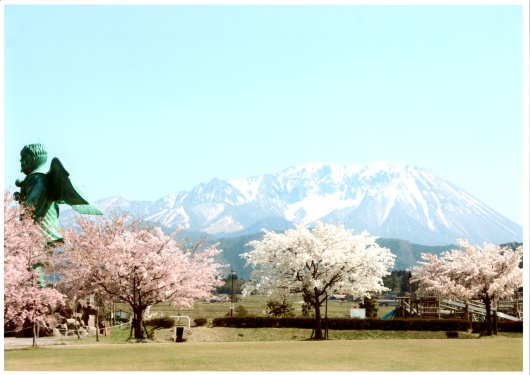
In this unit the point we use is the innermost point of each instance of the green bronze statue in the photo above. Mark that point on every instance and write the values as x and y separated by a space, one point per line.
43 190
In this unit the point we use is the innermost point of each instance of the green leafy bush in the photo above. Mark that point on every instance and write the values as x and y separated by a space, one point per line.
370 304
279 309
241 311
200 321
160 322
307 309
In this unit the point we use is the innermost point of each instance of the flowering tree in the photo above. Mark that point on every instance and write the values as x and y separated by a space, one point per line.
328 259
141 265
472 272
25 300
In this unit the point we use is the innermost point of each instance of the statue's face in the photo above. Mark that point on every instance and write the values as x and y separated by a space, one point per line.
28 164
25 166
32 157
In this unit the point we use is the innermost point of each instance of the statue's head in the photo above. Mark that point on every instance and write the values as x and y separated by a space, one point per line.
32 156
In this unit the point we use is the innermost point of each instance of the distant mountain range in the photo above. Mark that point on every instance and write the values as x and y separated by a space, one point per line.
389 200
407 253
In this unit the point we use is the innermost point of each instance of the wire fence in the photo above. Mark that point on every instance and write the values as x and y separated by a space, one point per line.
66 331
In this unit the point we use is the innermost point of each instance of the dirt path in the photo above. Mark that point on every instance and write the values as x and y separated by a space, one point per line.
42 341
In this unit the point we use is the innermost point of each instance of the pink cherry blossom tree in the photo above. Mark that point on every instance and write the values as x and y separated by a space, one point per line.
138 264
327 259
24 247
471 272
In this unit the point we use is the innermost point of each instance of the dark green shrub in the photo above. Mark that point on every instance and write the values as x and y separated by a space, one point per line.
279 309
349 323
160 322
429 324
241 311
296 322
402 324
307 309
200 321
502 326
370 304
510 326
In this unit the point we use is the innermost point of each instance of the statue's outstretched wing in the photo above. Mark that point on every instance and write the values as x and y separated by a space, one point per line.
64 189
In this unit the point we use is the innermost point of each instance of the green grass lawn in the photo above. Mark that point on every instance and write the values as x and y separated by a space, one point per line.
273 349
485 354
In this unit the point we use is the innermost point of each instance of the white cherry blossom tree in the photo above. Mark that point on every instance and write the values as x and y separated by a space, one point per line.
25 300
327 259
471 272
141 265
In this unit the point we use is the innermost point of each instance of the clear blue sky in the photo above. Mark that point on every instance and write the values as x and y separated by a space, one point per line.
142 101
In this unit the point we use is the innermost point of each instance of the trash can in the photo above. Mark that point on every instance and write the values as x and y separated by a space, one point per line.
179 332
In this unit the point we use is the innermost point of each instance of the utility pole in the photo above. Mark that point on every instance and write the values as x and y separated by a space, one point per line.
232 295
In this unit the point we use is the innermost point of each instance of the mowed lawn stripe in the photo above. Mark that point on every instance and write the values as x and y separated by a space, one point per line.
488 354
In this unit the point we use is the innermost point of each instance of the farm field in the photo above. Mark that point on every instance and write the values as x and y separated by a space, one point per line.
255 305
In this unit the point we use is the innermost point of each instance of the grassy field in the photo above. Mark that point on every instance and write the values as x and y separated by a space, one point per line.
271 349
255 305
485 354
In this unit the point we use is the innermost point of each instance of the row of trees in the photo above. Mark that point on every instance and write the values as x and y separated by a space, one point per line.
397 282
119 258
330 259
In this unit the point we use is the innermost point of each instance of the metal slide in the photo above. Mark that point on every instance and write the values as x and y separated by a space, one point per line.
478 309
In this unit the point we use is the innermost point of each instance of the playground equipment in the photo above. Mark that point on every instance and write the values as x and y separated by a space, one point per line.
477 309
429 306
389 314
510 309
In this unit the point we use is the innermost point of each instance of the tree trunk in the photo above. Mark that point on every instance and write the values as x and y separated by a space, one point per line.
495 323
34 326
76 305
487 322
132 327
138 311
318 323
315 302
138 330
34 333
97 319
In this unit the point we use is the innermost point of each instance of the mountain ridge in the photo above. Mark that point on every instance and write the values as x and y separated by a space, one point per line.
391 200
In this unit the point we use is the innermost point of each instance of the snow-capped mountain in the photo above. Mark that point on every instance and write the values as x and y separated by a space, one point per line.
390 200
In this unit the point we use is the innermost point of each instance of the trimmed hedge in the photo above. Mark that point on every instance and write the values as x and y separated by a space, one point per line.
502 326
397 324
426 325
160 322
200 321
263 322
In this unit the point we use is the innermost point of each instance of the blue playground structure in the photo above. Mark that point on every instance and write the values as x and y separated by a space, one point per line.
389 314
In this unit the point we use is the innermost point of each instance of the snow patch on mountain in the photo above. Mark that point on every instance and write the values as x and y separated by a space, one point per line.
226 224
316 206
208 211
